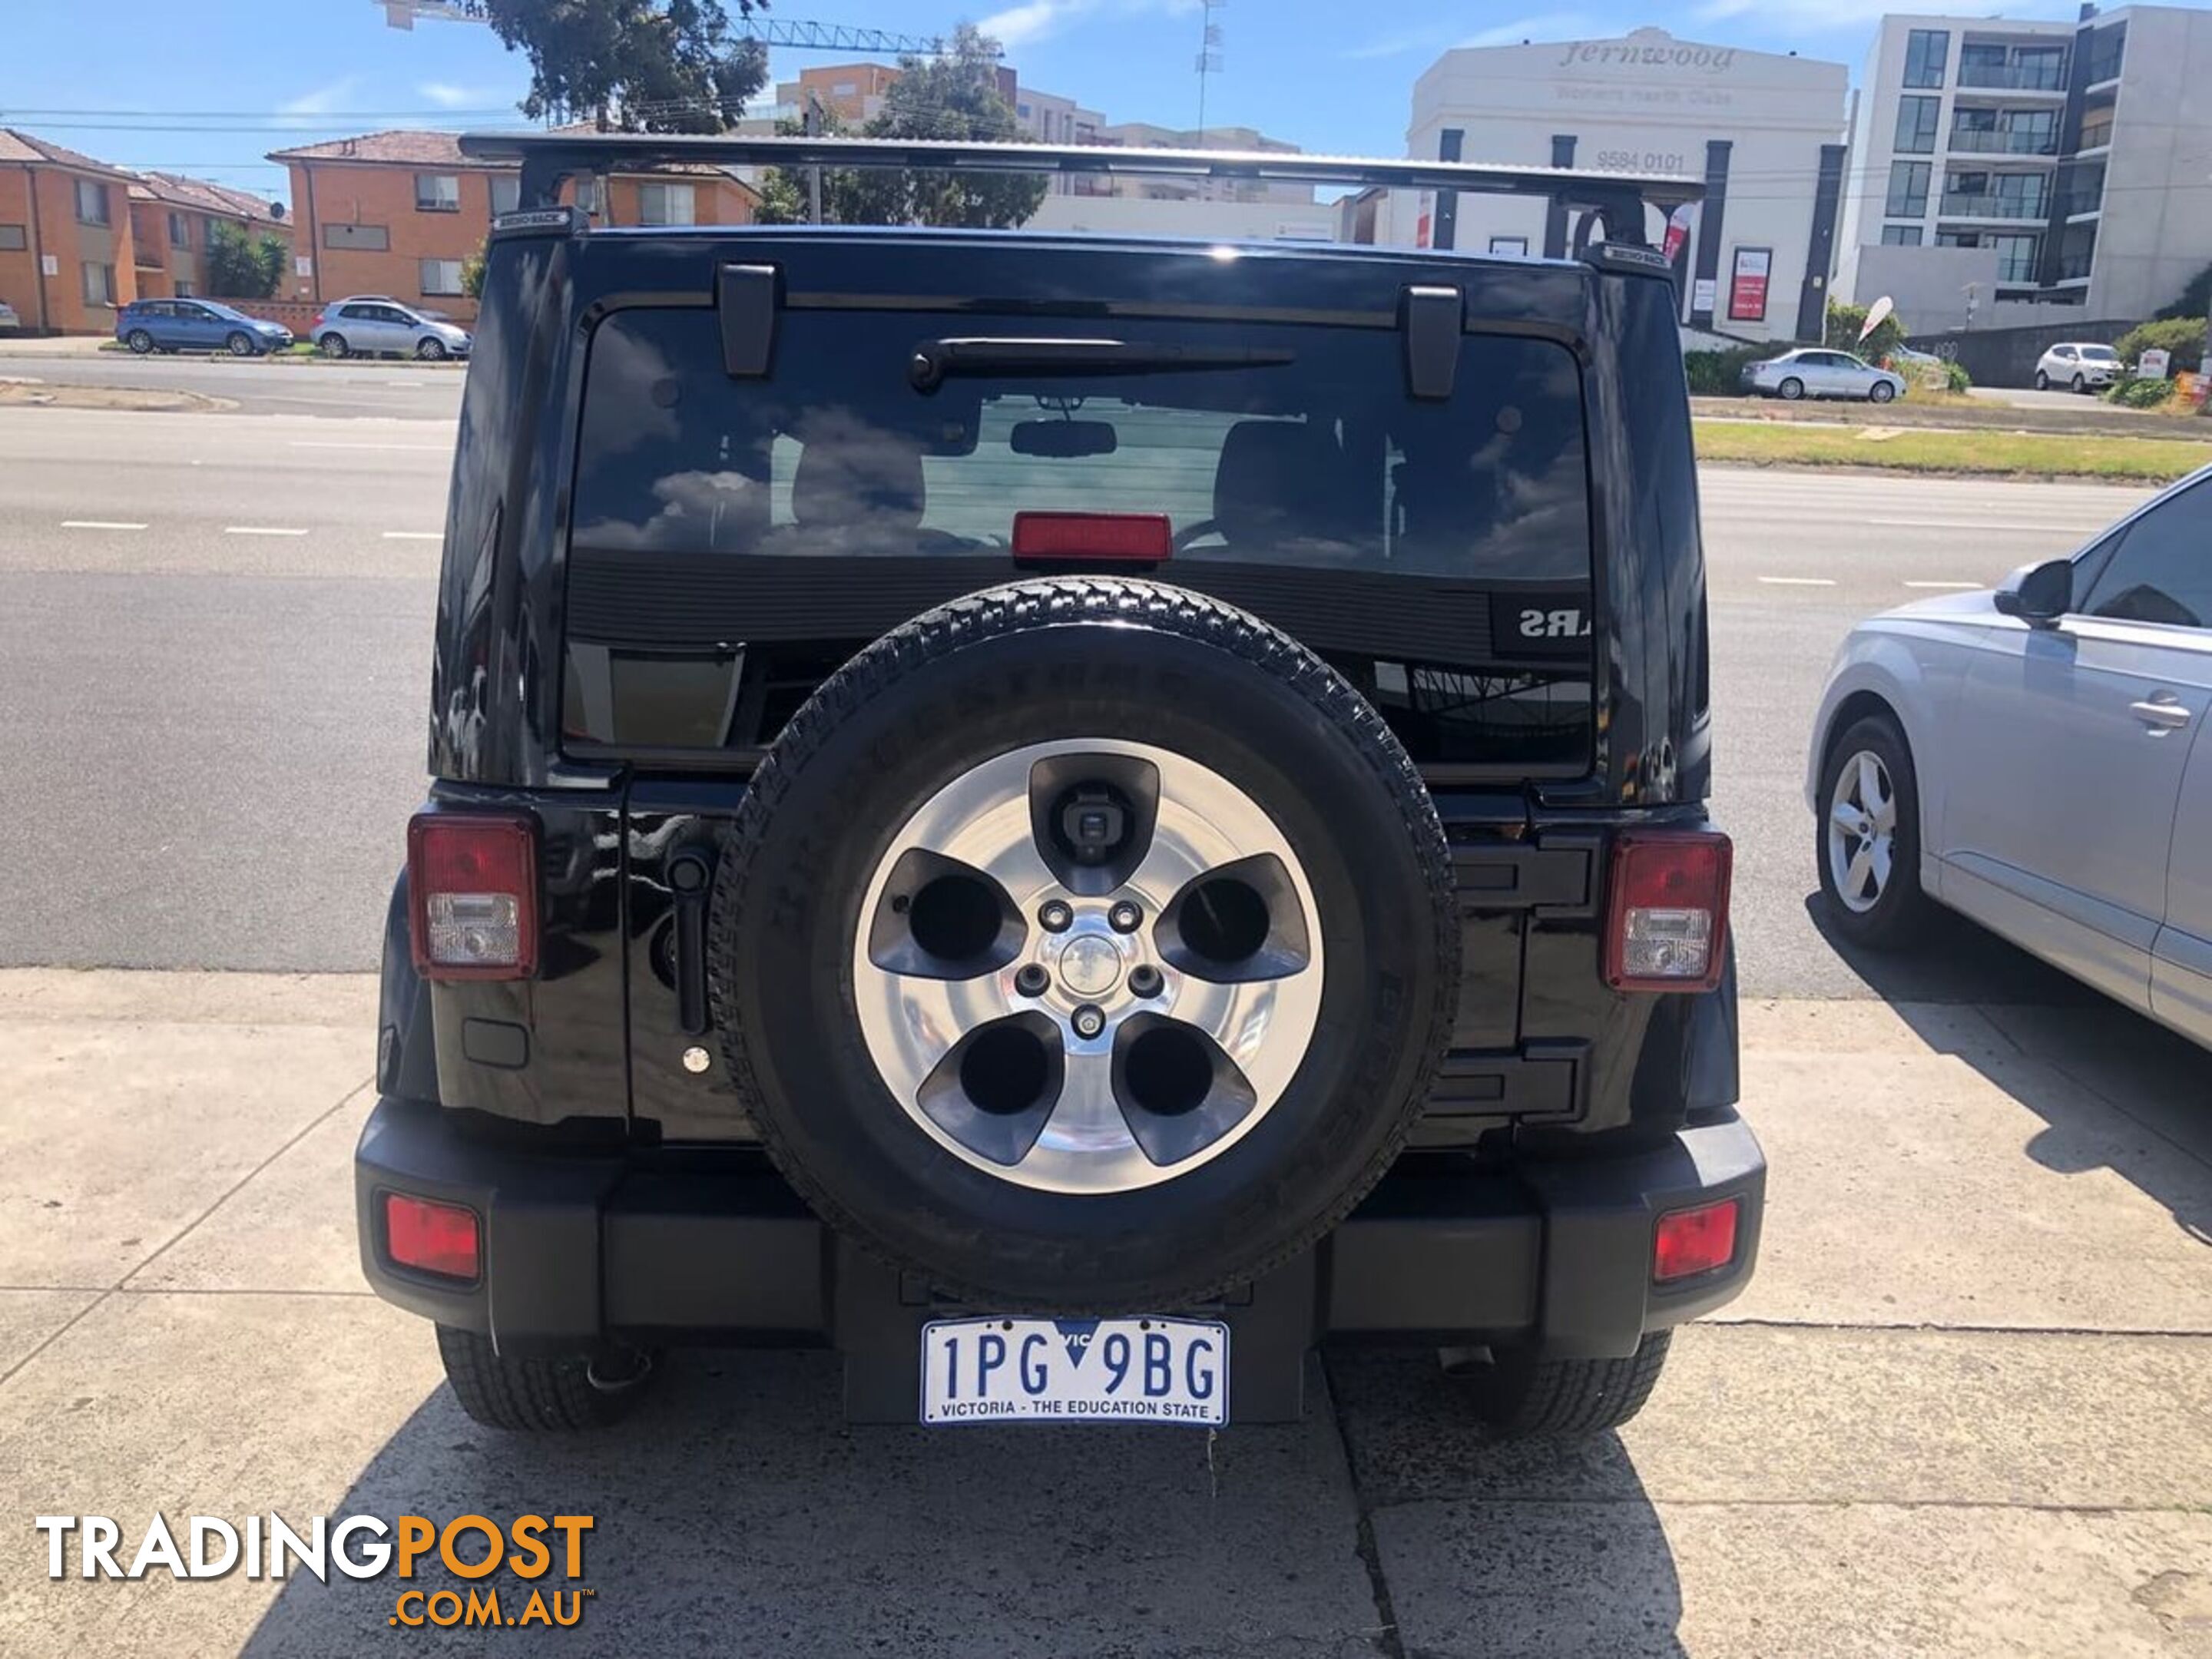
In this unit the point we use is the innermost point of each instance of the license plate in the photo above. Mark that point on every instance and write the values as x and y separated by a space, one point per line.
1075 1370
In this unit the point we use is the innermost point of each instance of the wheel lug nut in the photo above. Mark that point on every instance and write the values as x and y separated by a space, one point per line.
1088 1021
1144 981
1055 917
1031 981
1124 917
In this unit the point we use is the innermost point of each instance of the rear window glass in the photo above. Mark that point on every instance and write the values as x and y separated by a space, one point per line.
1300 461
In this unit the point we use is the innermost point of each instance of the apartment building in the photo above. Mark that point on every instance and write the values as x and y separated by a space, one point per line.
854 92
2078 154
400 212
65 246
1764 131
172 219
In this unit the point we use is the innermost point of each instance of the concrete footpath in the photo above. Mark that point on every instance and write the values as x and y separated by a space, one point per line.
1966 1407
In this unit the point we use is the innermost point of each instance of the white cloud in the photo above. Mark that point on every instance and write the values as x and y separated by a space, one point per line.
445 95
1039 20
328 100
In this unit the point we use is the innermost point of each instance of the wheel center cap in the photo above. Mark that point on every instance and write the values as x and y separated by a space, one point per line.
1090 966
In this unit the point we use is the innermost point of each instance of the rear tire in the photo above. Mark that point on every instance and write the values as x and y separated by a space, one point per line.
1517 1396
1791 389
1892 914
535 1394
333 345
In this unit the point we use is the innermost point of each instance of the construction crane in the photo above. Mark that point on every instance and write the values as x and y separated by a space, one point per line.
799 33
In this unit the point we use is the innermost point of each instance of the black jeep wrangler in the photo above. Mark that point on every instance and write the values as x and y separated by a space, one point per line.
1067 817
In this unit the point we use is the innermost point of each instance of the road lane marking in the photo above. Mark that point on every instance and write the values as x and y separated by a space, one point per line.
413 535
100 524
320 443
259 529
1798 581
1947 584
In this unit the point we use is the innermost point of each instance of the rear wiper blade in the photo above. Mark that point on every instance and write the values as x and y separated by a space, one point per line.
936 361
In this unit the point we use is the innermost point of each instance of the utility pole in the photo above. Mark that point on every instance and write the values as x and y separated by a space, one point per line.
811 123
1209 55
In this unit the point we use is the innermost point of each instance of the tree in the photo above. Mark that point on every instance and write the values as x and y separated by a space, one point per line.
1844 322
242 267
473 270
633 66
954 96
2195 301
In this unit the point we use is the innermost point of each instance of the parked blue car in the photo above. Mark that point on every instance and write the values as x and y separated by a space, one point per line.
147 325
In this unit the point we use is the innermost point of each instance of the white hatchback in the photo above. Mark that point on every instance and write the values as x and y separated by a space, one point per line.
2078 366
2028 756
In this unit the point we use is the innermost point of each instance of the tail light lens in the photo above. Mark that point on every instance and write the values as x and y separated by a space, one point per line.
473 880
1138 537
318 323
1690 1242
430 1237
1666 925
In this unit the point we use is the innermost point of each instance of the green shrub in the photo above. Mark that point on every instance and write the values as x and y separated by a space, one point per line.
1720 373
1955 377
2183 337
1844 322
2138 394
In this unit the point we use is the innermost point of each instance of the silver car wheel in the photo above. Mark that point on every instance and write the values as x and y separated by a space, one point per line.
1087 1042
1862 832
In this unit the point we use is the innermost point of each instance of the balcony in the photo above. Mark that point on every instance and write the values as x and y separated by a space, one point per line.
2016 208
1989 142
2081 205
2012 77
2075 267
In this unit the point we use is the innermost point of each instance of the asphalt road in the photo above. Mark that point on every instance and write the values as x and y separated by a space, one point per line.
214 658
259 386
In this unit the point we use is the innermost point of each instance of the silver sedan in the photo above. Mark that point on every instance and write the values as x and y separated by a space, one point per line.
1817 372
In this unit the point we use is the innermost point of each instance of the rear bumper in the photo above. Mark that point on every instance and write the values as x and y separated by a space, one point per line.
577 1249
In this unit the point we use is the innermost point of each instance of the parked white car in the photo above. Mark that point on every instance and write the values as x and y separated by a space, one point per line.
2078 365
2028 756
1817 372
9 322
370 324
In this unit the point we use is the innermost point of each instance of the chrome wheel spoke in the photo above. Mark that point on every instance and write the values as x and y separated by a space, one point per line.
925 1017
1086 1120
1848 819
1857 873
1879 854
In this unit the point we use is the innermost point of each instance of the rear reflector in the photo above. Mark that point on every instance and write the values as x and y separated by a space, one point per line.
1138 537
1666 925
431 1238
1694 1240
473 880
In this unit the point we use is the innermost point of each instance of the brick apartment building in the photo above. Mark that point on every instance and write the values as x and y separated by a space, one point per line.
65 246
399 213
172 218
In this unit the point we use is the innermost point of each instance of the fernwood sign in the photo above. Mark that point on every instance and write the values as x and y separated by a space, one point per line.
1633 55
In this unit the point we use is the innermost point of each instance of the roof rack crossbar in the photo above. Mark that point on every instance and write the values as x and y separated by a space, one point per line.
549 158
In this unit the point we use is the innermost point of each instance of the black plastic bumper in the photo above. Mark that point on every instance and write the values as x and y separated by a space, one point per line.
578 1249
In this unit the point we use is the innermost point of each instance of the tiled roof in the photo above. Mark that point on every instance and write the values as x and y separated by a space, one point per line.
401 145
202 195
17 145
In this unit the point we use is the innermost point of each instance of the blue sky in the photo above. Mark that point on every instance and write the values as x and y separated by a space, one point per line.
1323 74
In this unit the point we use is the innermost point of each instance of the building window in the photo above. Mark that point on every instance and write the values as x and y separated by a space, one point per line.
2042 68
843 88
1926 51
2016 257
357 239
442 276
1916 126
506 194
1908 189
1900 235
185 289
2106 48
14 238
2023 195
180 231
666 205
99 284
589 195
2098 133
437 192
91 202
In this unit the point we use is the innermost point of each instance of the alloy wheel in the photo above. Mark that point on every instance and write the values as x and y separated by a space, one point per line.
1088 966
1862 831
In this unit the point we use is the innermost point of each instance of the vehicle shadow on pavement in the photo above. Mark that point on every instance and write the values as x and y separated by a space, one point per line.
2114 1088
736 1513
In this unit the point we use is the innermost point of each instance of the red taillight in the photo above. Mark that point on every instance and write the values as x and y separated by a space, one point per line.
473 881
317 324
1666 928
1137 538
1694 1240
431 1238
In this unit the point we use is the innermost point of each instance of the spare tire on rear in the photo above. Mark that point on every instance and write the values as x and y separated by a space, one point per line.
1086 946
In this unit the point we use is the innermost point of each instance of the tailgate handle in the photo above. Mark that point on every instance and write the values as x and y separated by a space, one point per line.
688 874
1431 322
746 300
